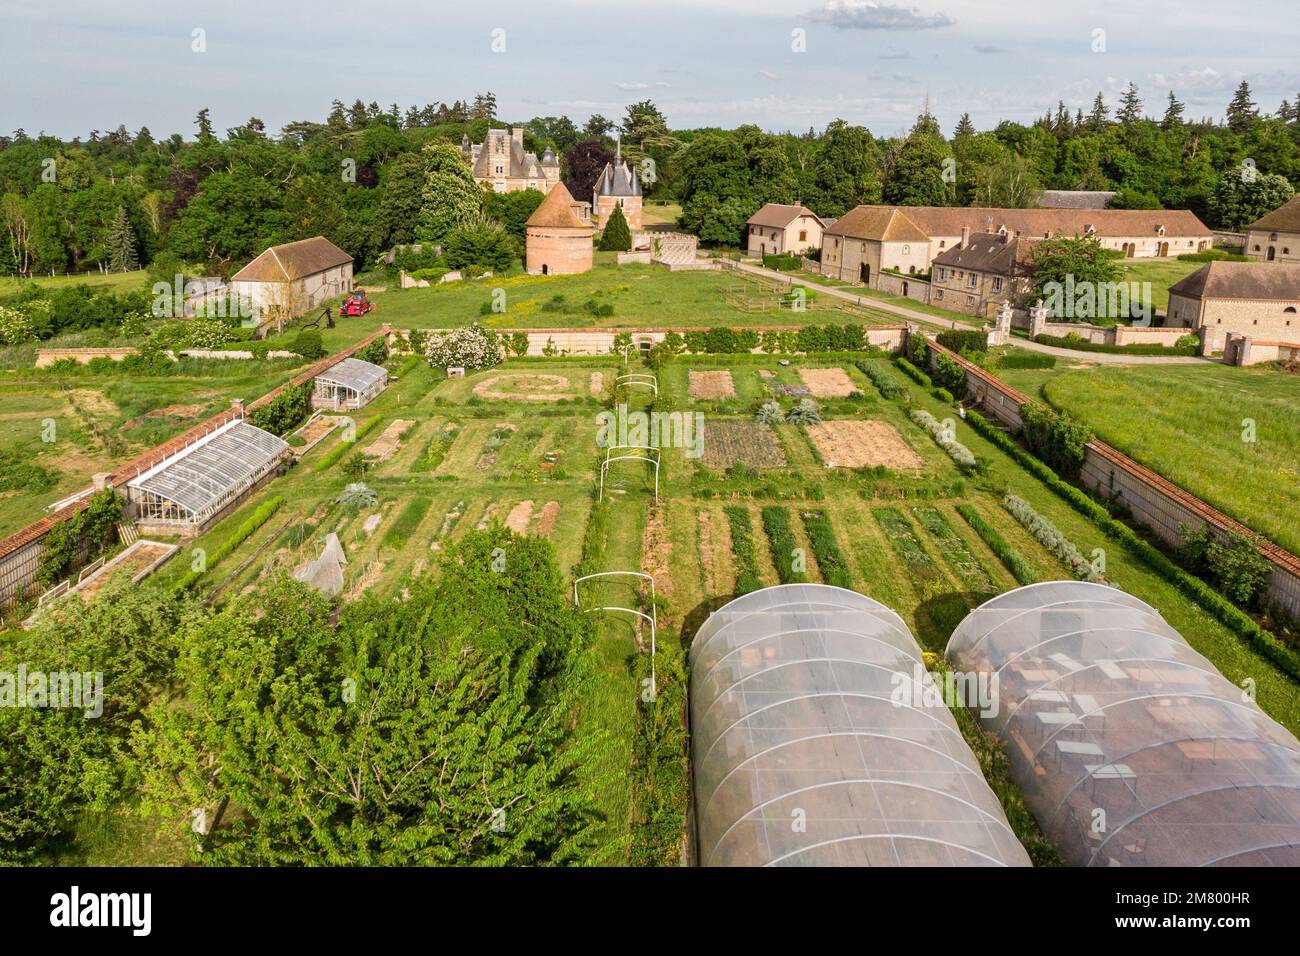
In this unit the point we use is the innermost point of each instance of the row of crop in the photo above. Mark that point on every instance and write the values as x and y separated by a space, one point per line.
944 438
786 554
338 451
830 559
914 373
241 534
1223 610
884 382
1051 538
742 548
1005 553
973 575
407 520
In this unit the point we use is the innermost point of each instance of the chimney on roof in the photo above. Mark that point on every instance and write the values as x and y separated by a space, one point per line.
101 481
965 237
517 134
799 203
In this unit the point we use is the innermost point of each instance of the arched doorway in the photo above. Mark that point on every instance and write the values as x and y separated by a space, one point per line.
545 269
864 274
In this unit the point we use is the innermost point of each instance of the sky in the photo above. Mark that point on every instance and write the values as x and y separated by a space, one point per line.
73 65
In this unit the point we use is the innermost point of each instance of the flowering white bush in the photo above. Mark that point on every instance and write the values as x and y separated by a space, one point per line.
207 333
958 452
472 348
1052 539
16 327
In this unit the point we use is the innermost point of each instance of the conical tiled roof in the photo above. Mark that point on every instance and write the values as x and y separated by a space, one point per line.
556 211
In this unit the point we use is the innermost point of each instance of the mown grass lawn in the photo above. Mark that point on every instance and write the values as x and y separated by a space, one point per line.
1161 273
1194 424
113 281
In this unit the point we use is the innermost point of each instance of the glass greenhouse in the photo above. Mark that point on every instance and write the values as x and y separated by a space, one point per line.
1131 748
813 746
206 477
348 385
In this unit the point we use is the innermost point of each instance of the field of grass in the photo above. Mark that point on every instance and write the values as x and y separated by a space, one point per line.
654 214
115 281
1228 435
1161 273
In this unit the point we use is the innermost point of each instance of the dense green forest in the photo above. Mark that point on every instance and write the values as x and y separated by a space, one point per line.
369 177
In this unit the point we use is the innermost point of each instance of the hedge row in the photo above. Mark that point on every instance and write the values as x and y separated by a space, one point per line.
742 547
1008 555
1223 610
241 534
1083 345
776 522
1051 538
962 340
344 445
1027 360
830 559
914 373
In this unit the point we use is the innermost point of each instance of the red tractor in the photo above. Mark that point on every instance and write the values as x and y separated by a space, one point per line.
355 303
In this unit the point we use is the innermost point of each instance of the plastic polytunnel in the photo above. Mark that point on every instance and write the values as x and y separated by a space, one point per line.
813 743
1130 747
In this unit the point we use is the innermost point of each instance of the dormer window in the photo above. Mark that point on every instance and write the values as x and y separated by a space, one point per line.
1089 229
1160 230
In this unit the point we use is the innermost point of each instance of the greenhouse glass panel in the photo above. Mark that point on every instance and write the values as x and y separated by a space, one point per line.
1131 749
814 746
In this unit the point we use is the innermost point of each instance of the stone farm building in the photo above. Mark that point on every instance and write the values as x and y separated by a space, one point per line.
1254 299
1275 237
778 228
290 279
502 163
559 235
909 238
617 185
982 270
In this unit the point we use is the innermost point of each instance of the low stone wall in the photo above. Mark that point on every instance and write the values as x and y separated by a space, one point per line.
1243 350
46 357
639 257
1151 499
234 354
904 286
1103 334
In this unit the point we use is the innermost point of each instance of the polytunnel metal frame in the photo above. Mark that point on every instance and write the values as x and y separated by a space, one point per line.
1129 746
358 380
204 478
652 617
604 465
646 379
814 743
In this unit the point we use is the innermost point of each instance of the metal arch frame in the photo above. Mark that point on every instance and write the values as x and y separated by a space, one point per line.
604 465
652 617
639 378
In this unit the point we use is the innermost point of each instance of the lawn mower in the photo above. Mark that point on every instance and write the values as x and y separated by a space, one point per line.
355 303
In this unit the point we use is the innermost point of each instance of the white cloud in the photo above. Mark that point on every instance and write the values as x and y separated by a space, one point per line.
639 87
870 15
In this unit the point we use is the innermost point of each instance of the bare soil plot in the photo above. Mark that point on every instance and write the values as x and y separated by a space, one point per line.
520 515
858 444
525 387
597 386
134 560
715 554
387 443
545 519
828 382
314 431
93 402
749 443
713 384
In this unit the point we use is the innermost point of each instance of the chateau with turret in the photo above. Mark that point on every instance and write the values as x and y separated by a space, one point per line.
502 162
617 185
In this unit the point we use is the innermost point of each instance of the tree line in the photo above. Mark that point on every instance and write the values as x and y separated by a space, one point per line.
369 178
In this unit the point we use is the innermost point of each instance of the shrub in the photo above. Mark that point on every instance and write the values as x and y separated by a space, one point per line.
834 568
357 495
949 373
1050 538
376 353
1080 344
1235 565
337 452
963 340
285 412
784 262
1059 440
308 344
616 237
770 413
1027 360
805 412
917 349
913 372
473 347
943 395
958 452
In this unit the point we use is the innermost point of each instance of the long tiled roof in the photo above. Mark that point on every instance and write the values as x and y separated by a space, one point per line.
777 215
293 260
1269 281
989 252
1286 218
883 223
865 221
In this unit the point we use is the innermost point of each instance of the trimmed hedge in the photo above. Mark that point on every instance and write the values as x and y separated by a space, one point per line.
1027 360
1061 441
913 372
1224 611
343 446
962 340
241 534
1008 555
1062 342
